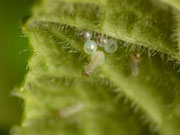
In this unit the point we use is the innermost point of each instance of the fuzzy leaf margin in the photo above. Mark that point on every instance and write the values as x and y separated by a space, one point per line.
113 99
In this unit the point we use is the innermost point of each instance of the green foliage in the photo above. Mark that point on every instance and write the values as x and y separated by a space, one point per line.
175 3
113 100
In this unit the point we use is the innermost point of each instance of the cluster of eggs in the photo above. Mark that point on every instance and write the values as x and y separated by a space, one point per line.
90 46
97 57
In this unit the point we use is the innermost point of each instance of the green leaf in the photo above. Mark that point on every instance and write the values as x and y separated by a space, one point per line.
113 100
175 3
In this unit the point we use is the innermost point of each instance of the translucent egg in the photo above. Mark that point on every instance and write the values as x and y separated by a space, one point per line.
86 35
90 46
101 41
111 46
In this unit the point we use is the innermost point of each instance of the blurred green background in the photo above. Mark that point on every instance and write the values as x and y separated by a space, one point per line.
13 60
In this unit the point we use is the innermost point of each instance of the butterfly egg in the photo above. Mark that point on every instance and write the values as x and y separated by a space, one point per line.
90 46
101 41
69 111
111 46
85 35
97 59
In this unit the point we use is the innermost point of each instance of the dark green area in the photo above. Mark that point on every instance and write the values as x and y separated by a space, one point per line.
13 57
